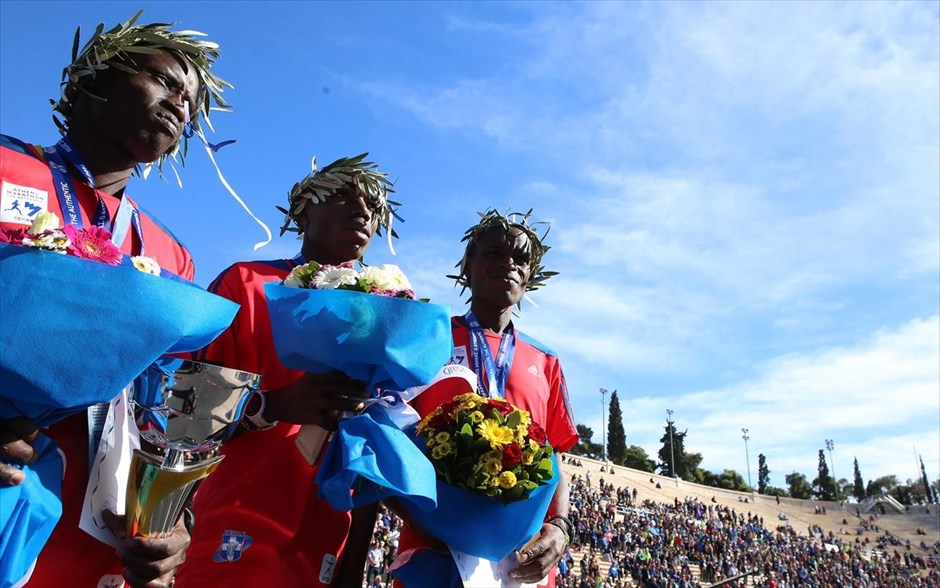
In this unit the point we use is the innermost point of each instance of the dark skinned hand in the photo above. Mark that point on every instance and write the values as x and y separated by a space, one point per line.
317 399
149 562
539 555
16 447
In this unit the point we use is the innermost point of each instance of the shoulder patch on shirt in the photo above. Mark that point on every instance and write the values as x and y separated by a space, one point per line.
234 544
327 567
21 204
460 356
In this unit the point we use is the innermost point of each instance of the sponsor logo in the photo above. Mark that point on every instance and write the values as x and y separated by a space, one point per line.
20 204
327 567
111 581
460 356
234 544
533 370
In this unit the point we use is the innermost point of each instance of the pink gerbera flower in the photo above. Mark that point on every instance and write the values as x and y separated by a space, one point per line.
92 243
12 236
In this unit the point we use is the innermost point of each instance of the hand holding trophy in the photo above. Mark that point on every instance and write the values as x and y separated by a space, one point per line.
185 410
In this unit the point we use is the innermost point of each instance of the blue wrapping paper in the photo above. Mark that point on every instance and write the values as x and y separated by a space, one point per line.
76 332
388 343
29 512
482 526
373 456
426 568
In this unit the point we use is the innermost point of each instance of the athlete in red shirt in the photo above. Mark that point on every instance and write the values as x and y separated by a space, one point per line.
138 118
501 262
260 522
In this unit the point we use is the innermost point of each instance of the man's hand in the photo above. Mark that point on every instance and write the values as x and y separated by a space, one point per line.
149 561
316 399
539 555
16 446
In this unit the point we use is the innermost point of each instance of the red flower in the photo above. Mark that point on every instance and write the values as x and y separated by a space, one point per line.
512 455
537 434
440 422
12 236
502 406
92 243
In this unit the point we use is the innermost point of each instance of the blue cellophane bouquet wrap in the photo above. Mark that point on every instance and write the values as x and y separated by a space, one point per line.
75 333
391 344
496 477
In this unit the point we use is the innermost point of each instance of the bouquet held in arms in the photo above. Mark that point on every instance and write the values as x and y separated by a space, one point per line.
496 472
367 324
120 313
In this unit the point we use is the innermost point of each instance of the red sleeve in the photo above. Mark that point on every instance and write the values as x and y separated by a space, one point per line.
223 350
562 433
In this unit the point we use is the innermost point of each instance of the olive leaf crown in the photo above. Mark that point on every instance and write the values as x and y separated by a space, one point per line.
345 173
492 220
116 49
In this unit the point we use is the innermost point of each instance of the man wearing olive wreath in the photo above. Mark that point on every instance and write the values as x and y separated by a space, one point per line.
502 261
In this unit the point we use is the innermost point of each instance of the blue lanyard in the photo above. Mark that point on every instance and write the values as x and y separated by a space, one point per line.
127 214
497 371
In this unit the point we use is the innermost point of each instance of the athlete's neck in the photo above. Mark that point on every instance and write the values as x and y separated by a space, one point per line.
495 320
110 165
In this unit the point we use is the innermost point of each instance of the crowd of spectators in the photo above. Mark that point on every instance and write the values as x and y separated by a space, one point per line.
620 542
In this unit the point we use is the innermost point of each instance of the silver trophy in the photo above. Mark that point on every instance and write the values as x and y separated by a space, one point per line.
185 410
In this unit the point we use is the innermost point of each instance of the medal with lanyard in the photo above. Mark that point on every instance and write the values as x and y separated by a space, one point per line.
497 370
127 214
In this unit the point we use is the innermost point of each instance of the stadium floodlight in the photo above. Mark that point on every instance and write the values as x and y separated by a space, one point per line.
747 457
604 424
672 447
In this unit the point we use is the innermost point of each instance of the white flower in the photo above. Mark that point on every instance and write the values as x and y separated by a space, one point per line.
148 265
44 221
293 279
334 277
385 277
51 240
300 276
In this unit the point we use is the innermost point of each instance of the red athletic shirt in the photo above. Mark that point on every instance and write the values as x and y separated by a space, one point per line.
258 519
72 557
536 384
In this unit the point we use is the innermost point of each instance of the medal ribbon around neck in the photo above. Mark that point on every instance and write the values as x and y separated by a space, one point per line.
497 371
127 213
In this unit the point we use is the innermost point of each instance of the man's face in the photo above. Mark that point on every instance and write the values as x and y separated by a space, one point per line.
499 268
339 229
145 112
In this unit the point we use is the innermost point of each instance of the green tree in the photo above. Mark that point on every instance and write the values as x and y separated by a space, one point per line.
732 480
881 486
774 491
686 463
906 493
585 446
928 491
799 487
824 485
636 457
616 438
858 488
763 474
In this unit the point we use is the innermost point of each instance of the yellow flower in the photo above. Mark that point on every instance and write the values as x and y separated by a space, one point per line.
527 457
476 417
43 221
498 435
442 450
533 445
492 466
507 480
442 437
525 420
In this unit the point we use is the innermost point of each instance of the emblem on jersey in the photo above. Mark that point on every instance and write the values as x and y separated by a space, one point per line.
327 567
460 356
21 204
533 370
234 544
111 581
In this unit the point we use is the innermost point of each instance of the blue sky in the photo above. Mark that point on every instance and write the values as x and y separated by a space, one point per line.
744 197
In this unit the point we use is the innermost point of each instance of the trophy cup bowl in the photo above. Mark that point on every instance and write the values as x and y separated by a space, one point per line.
185 410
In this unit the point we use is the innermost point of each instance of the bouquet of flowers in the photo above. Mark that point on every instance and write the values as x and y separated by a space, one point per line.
496 473
487 446
367 324
80 322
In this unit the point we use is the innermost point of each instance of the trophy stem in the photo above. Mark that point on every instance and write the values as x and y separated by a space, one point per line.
174 460
156 496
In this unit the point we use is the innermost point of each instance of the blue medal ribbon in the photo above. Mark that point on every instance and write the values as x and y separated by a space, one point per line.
127 214
497 370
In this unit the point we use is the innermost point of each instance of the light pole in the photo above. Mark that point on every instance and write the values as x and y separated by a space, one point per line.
832 467
747 457
672 448
604 423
